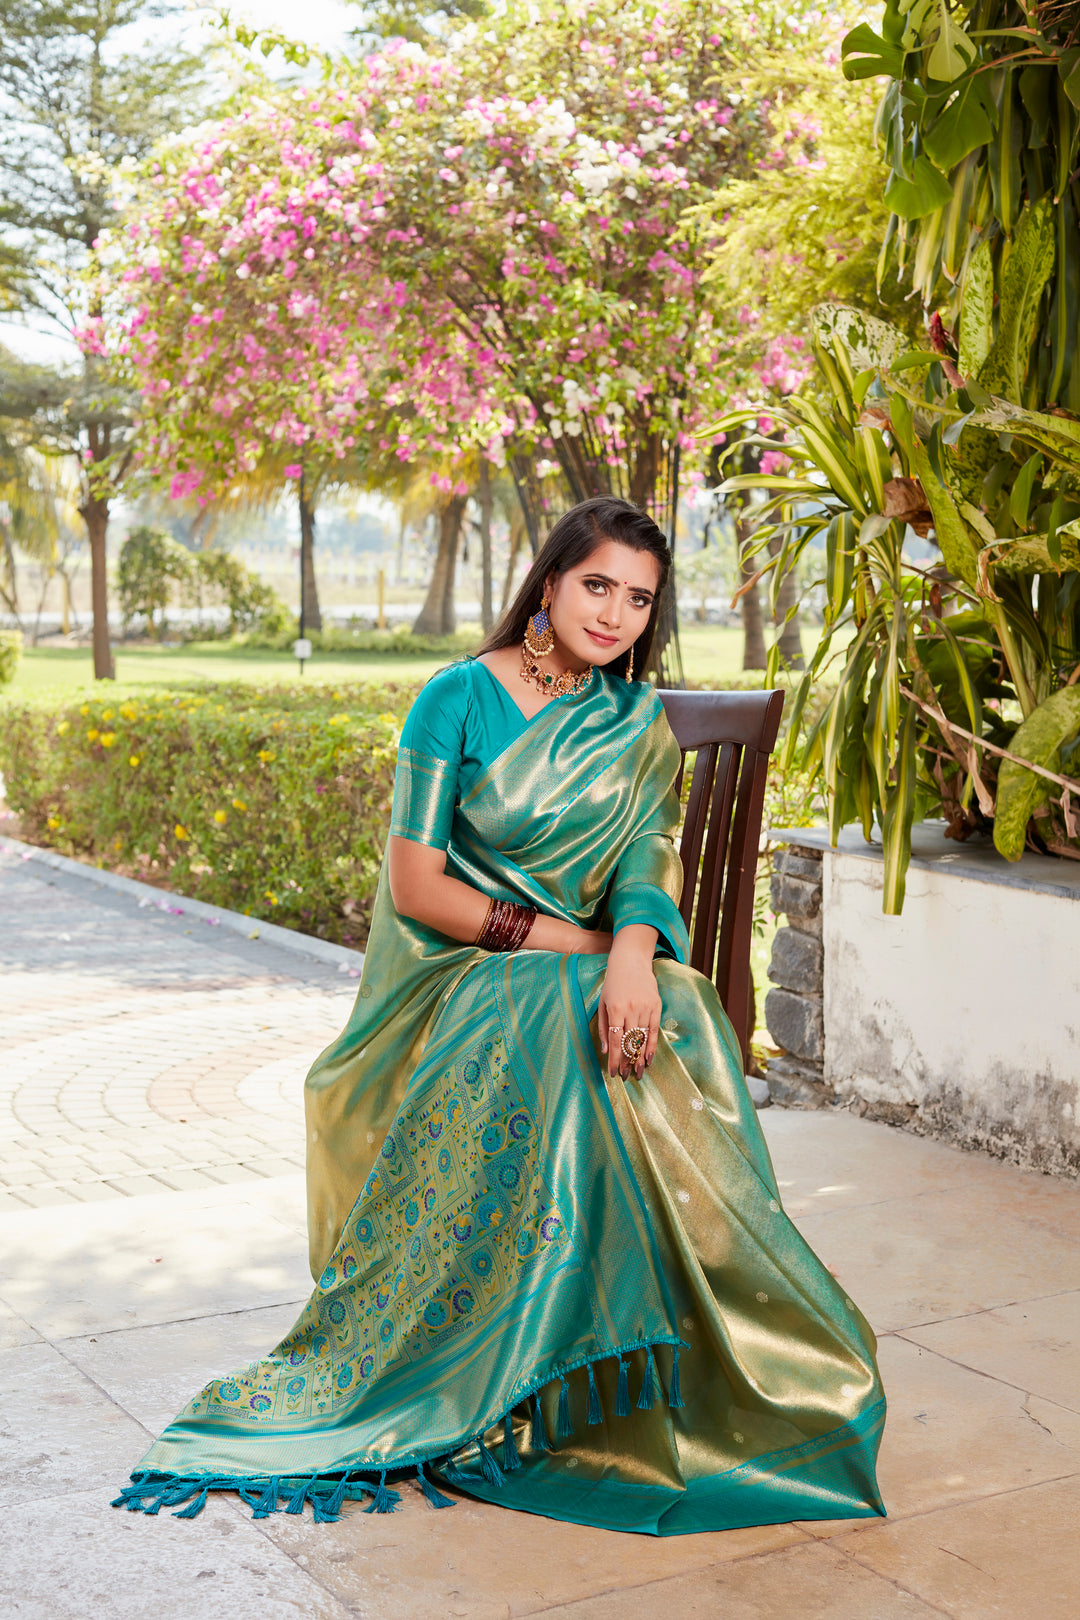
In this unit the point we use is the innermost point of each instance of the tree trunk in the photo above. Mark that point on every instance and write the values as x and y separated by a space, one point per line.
790 636
436 617
486 504
753 622
518 530
95 512
309 590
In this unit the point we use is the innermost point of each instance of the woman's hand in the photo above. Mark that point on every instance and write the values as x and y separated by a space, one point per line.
630 999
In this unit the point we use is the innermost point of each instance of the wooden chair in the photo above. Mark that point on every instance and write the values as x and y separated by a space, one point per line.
732 735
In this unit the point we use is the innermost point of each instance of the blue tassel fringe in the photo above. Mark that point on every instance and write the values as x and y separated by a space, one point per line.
149 1492
674 1391
622 1393
540 1441
435 1497
510 1458
594 1412
645 1399
488 1466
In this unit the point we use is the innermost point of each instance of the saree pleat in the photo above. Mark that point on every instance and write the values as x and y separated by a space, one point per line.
572 1295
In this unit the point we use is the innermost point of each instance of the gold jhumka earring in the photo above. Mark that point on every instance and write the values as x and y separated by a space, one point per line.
630 663
539 641
539 636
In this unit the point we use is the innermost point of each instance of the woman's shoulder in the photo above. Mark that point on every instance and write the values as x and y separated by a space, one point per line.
450 685
439 710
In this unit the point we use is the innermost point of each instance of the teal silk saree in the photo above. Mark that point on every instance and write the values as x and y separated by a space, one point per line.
568 1294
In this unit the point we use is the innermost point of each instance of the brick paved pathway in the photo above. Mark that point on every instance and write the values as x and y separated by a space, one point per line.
140 1051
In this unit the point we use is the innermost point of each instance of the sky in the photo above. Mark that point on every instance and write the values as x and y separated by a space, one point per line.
322 23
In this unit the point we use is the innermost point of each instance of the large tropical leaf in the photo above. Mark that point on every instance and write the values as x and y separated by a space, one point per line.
952 52
924 193
866 55
1030 553
1027 270
977 312
870 342
950 530
1020 792
965 125
899 814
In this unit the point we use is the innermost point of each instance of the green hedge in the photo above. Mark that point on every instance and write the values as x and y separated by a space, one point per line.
271 801
10 650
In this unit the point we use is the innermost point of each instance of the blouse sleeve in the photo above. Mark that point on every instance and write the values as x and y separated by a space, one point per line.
648 880
429 759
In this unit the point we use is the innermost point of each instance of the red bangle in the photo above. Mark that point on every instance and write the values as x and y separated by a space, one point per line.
506 926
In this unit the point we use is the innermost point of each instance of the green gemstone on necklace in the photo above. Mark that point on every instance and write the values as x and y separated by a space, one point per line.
549 679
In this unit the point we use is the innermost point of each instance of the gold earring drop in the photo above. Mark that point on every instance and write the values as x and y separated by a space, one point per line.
539 636
630 664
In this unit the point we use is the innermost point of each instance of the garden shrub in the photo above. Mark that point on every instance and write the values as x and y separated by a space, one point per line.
348 638
271 801
252 603
152 565
10 651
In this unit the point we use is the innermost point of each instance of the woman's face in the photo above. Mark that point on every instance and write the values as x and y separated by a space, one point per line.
600 607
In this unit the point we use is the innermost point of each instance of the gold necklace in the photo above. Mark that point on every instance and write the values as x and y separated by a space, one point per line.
563 685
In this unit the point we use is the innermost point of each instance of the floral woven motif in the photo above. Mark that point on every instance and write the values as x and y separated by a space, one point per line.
454 1213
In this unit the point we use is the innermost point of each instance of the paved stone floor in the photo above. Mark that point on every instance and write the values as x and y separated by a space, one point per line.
152 1233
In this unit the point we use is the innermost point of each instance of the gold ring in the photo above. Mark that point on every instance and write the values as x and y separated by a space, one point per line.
633 1042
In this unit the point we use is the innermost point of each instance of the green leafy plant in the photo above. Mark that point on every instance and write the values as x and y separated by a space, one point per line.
152 567
10 652
252 603
957 679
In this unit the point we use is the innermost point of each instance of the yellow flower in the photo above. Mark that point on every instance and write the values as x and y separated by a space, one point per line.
238 804
273 899
220 816
338 720
133 760
181 832
85 709
389 719
108 738
118 843
62 726
53 822
128 711
91 735
266 755
107 715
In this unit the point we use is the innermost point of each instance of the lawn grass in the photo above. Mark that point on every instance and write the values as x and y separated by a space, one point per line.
712 655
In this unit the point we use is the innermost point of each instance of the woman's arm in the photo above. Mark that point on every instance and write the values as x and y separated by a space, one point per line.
421 889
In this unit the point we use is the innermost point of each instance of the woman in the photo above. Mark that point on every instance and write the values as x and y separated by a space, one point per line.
552 1265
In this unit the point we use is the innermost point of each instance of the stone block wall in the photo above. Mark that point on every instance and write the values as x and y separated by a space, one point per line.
794 1013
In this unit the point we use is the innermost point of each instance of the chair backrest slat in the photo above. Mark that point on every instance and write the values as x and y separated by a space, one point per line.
693 829
710 883
731 735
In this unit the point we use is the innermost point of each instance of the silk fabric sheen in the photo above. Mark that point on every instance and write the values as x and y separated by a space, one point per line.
492 1216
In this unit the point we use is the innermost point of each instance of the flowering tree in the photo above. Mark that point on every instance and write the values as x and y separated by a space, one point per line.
483 246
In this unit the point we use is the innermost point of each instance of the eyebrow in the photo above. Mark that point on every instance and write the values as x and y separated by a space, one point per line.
638 590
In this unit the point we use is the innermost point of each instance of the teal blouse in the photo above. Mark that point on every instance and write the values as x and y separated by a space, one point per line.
462 720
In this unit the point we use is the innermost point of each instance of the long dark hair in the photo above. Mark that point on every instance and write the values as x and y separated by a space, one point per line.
572 541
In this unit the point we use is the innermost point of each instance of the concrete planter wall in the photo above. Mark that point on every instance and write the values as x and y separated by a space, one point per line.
959 1019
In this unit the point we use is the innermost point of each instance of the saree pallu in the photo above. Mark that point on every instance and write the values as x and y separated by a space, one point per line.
569 1294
